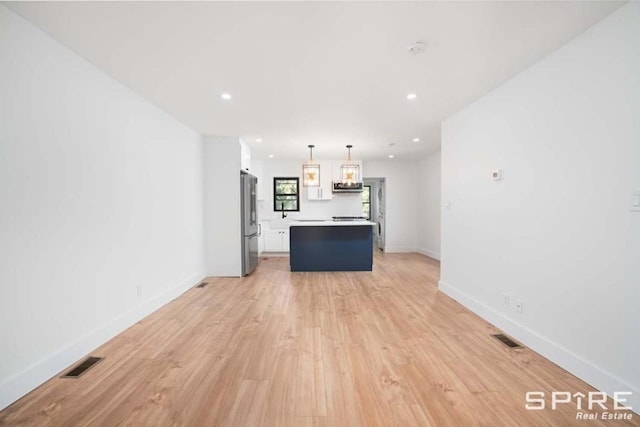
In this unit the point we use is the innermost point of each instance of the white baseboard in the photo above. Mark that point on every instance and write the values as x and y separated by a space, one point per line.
23 382
274 254
429 253
588 372
399 249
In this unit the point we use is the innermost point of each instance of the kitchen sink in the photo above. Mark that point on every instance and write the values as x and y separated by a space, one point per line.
279 223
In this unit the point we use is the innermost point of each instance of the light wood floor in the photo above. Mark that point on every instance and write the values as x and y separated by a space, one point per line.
329 349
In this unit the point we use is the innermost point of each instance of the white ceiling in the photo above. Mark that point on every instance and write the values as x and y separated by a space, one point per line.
323 73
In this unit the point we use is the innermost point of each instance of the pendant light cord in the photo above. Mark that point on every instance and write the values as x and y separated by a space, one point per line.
310 153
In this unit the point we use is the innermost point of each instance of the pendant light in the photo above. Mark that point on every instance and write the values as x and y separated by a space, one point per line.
310 171
349 172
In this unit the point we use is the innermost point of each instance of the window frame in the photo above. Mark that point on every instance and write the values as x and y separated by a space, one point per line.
275 194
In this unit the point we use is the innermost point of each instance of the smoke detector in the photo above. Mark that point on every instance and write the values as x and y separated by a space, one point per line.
416 47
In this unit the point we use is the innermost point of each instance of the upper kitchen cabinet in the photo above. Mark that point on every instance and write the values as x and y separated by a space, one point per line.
323 192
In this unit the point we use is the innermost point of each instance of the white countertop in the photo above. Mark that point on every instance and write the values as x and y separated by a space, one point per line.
328 223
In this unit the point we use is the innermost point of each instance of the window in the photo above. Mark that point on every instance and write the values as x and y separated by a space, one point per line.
366 202
286 196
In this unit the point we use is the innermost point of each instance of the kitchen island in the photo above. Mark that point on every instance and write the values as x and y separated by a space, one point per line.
331 245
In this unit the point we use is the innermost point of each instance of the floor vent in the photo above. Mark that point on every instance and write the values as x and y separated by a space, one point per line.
202 285
89 363
506 341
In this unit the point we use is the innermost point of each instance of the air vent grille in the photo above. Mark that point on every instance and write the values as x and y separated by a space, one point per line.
83 367
506 341
202 285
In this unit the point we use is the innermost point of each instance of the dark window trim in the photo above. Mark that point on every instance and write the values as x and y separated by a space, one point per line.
297 194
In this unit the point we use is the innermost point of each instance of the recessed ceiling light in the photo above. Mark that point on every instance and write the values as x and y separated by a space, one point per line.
271 156
258 139
416 47
391 156
226 96
416 139
412 96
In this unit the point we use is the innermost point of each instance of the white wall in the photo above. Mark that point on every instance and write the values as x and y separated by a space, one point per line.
222 207
402 195
100 193
557 232
429 205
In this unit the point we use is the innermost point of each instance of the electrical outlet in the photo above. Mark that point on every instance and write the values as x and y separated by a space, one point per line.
505 300
518 306
139 290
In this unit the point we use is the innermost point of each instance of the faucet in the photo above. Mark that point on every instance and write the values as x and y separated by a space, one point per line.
282 209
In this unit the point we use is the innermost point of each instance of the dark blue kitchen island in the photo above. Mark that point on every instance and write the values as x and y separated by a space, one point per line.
331 246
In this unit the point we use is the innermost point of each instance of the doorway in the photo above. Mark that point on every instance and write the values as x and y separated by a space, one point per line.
378 208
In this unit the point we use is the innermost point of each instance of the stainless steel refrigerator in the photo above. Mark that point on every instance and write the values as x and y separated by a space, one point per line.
250 229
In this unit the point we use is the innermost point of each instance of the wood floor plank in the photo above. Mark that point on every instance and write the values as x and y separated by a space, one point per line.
380 348
310 386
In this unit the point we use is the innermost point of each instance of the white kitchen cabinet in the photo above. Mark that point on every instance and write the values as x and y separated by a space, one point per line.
272 240
319 193
276 240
